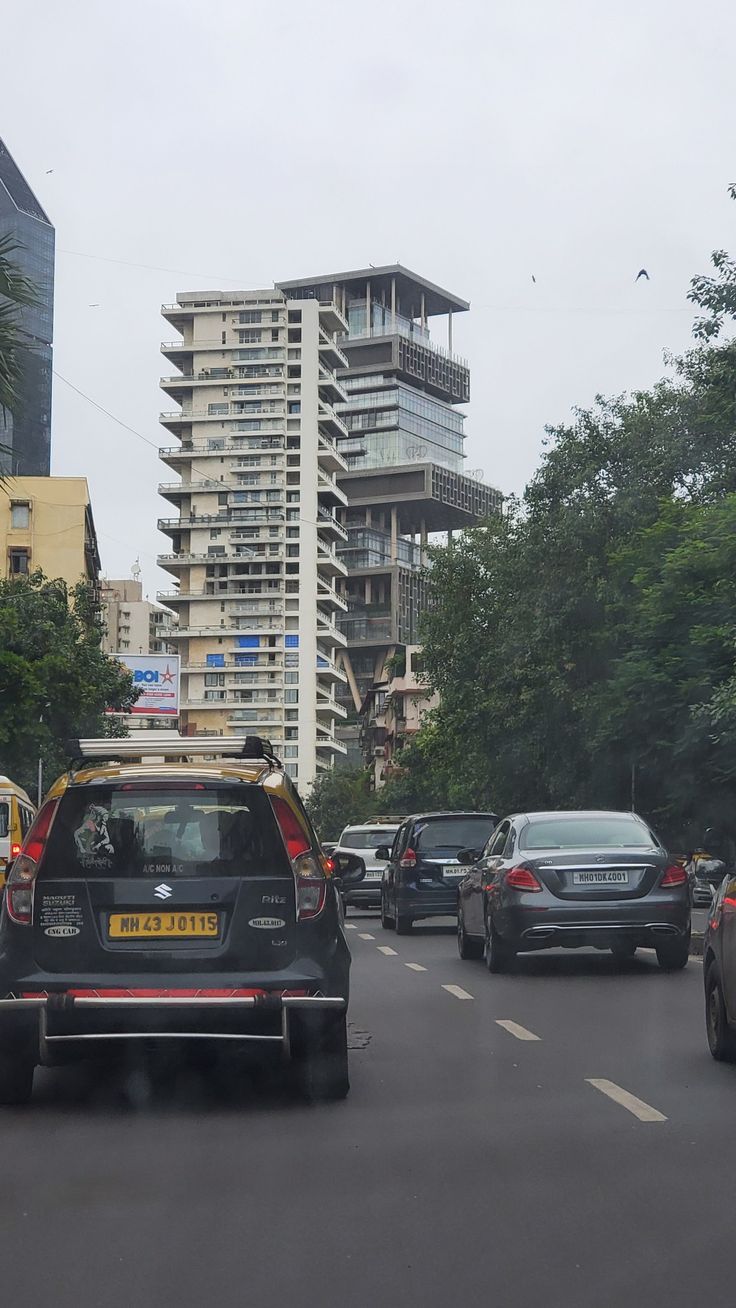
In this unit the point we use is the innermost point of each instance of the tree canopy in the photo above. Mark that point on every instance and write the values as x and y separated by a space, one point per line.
55 680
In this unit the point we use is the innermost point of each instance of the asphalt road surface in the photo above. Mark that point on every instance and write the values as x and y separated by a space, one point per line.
555 1137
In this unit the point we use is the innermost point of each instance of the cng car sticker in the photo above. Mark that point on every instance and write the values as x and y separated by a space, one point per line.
92 838
267 923
60 915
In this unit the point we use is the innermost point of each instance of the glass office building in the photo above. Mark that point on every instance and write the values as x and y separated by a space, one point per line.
25 435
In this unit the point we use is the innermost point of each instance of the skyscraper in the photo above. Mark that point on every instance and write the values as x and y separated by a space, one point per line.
404 479
25 436
253 543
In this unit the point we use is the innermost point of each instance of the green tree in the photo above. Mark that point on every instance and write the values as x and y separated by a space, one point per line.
55 680
16 292
338 797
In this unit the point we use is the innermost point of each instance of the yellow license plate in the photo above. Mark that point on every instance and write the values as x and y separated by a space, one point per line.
146 926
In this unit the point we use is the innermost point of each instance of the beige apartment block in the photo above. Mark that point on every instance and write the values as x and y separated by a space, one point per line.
47 523
133 625
258 511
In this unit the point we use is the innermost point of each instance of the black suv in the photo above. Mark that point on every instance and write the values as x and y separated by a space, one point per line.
160 900
423 871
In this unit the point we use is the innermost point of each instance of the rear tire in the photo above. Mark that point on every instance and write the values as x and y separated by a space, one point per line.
466 947
499 955
319 1050
386 922
16 1079
721 1039
403 924
672 955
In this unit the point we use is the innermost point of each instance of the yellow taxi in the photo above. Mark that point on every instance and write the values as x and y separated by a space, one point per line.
16 815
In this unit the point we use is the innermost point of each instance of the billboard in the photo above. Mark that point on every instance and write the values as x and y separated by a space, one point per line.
156 676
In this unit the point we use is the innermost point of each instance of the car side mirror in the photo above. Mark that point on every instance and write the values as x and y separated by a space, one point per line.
349 868
468 855
383 852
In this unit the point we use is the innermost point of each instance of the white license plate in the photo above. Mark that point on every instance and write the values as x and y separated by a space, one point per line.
373 875
453 872
603 878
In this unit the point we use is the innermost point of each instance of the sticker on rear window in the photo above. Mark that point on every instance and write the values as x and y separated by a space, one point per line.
60 915
92 839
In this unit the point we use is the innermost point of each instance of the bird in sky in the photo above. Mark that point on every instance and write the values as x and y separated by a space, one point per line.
49 170
641 273
534 279
93 306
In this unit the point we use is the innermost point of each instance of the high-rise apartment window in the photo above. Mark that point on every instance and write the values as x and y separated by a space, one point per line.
295 315
274 315
274 333
294 370
295 335
250 315
251 336
20 515
217 408
214 678
294 406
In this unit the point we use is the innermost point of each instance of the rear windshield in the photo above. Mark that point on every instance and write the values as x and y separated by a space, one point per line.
586 833
4 818
366 839
144 831
445 836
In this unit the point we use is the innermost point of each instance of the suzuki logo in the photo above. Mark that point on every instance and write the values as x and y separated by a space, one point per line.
163 891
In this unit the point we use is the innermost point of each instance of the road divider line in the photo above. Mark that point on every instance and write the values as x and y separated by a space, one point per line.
457 991
415 967
350 926
644 1112
514 1029
365 935
386 949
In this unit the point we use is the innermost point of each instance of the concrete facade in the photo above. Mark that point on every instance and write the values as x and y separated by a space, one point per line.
133 624
47 523
258 508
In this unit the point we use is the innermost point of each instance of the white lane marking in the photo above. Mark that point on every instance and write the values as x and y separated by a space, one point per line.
514 1029
643 1111
364 935
415 967
350 926
386 949
457 991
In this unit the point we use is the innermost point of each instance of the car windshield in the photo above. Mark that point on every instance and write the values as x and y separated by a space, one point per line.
446 835
593 832
137 832
370 839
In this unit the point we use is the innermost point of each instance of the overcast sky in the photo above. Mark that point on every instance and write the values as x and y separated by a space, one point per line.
233 143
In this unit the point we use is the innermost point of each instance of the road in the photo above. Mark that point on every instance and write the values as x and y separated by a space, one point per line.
471 1165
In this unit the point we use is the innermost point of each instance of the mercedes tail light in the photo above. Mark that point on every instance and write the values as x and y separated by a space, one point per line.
19 890
309 874
674 876
522 878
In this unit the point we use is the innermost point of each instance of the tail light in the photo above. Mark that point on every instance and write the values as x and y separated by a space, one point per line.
674 876
408 859
521 878
14 851
19 890
311 883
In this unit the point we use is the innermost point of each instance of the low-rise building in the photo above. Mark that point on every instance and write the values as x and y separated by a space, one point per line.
393 710
46 523
133 625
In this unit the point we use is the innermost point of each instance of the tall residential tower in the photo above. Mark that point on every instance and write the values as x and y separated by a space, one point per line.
25 435
258 578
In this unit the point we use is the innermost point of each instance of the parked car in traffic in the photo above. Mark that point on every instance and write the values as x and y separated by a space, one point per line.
719 972
573 879
422 870
363 841
152 901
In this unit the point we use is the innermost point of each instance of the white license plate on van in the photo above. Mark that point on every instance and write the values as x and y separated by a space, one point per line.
607 877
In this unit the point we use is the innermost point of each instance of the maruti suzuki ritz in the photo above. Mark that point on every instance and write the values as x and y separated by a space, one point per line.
164 900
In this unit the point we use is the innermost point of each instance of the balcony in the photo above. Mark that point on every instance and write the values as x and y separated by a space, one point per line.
327 560
328 455
330 388
171 562
329 742
330 352
326 704
328 419
177 596
364 630
264 712
328 670
329 490
327 628
244 445
328 522
331 317
328 595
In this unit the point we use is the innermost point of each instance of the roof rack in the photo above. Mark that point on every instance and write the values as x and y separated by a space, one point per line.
171 745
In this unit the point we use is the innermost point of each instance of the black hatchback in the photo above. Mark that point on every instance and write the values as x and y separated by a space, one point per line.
173 901
423 871
573 879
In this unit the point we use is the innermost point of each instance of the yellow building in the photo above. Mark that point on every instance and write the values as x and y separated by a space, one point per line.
47 523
